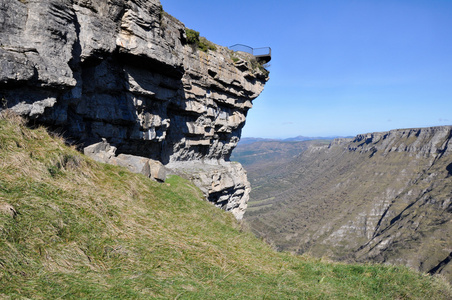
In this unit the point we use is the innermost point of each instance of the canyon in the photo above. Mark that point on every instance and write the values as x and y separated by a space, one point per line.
382 197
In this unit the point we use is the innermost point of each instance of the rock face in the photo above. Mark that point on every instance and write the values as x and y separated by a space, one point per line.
380 197
224 183
122 70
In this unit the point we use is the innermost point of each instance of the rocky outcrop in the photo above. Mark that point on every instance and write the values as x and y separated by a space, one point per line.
223 183
380 197
123 71
105 153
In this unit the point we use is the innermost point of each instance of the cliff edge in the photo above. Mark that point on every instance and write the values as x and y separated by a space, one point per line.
122 76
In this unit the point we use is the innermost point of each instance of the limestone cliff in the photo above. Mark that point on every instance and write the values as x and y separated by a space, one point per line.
122 72
381 197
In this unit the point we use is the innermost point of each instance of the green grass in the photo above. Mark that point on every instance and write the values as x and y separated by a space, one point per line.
85 230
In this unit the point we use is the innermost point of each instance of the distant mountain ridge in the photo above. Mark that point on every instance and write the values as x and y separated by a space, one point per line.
250 140
300 138
257 153
380 197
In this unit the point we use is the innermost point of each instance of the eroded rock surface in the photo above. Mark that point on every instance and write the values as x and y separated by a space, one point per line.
224 183
122 70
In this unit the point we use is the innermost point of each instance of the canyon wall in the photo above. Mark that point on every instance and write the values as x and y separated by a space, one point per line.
381 197
122 73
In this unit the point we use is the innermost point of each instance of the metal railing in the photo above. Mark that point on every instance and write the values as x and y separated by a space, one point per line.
264 53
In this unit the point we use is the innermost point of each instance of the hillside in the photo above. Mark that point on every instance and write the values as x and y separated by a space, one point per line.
380 197
264 159
255 153
73 228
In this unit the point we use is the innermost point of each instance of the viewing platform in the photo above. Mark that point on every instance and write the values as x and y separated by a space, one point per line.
263 54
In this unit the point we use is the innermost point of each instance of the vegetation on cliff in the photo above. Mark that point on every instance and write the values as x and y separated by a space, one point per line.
199 42
76 229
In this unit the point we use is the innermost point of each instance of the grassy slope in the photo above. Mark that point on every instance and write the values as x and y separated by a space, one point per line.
87 230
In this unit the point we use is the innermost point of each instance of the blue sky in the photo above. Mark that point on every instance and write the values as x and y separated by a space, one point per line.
341 67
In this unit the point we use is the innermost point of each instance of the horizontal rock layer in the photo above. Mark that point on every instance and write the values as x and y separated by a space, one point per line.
224 183
122 71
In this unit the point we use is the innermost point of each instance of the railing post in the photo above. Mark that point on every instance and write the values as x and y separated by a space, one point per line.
244 48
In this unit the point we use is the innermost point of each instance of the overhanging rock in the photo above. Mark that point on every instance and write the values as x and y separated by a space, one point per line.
123 71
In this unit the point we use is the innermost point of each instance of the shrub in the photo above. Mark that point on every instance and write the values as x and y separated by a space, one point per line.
198 42
192 36
161 12
235 59
259 65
